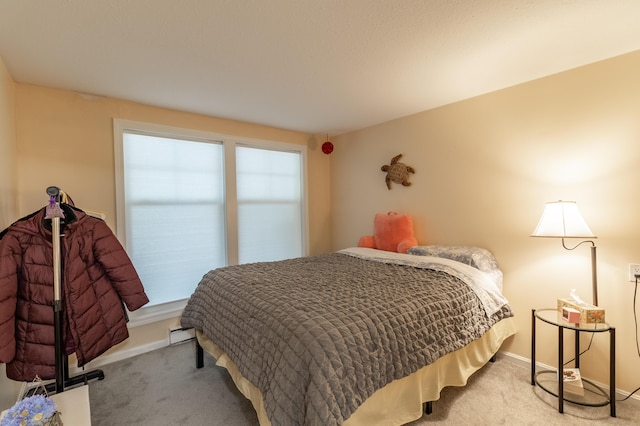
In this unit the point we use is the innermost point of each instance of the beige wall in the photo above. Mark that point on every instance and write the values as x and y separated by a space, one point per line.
8 210
7 148
484 169
66 139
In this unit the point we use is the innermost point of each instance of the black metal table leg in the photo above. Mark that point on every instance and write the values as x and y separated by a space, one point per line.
612 370
533 347
560 370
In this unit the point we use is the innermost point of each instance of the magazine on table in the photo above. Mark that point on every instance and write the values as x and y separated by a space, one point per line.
572 381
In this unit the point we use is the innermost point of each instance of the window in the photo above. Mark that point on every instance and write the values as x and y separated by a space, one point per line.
189 202
269 197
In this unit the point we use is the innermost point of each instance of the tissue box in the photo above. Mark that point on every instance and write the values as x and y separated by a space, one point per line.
589 314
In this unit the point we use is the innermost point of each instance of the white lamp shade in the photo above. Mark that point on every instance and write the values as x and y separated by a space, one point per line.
562 219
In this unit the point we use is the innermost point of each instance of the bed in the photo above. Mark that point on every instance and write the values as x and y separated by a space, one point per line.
355 337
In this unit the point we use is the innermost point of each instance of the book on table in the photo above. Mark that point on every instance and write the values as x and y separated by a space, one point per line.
572 381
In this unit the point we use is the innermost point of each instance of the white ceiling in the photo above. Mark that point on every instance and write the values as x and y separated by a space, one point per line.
318 66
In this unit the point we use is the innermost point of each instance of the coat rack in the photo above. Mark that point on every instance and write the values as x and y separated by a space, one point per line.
61 360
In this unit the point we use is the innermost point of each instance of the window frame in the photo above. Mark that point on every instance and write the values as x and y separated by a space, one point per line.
146 315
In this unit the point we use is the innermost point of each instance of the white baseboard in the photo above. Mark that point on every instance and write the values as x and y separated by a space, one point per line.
180 335
526 362
118 356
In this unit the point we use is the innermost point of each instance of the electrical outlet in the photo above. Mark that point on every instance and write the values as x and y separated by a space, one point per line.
634 269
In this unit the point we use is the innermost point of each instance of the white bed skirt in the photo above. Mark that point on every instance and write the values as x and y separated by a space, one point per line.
400 401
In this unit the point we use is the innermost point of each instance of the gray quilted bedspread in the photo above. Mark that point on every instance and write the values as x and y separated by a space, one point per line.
318 335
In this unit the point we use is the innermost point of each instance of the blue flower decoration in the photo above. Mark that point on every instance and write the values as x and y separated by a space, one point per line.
33 411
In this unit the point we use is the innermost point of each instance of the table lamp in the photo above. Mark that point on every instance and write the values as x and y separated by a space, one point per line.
562 219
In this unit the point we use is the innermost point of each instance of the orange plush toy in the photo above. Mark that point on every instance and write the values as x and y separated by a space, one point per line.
391 232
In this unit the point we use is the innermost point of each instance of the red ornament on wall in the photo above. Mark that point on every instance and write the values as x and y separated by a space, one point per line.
327 147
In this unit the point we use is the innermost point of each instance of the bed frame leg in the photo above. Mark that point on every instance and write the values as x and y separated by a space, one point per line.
199 355
428 406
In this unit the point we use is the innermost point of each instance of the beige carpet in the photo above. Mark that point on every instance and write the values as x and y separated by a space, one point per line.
163 387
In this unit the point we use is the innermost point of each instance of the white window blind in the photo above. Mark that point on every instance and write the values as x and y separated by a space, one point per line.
269 195
174 198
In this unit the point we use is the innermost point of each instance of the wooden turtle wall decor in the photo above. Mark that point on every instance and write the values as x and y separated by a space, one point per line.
397 172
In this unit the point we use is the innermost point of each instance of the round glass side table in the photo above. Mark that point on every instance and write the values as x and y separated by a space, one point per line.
594 395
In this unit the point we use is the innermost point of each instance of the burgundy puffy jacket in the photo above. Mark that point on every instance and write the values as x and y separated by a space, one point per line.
97 277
